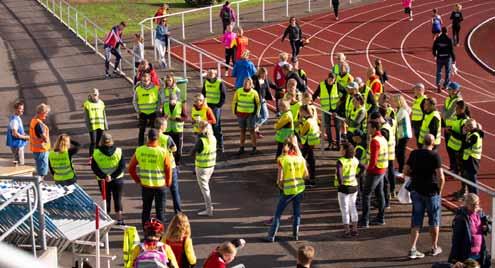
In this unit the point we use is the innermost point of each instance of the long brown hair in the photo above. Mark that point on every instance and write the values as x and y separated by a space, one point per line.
62 144
179 228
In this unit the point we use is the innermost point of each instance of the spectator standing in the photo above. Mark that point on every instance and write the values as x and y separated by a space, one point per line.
227 15
456 18
357 120
154 175
112 44
243 68
246 107
407 4
436 24
443 51
146 67
138 50
404 130
241 43
178 237
215 92
449 117
294 32
161 11
309 134
16 136
470 226
290 73
147 102
279 78
341 61
96 119
284 127
418 110
382 74
39 139
201 112
108 165
305 255
424 166
431 123
161 41
300 72
335 5
472 149
344 77
228 42
175 112
170 88
262 85
60 160
368 98
455 141
374 83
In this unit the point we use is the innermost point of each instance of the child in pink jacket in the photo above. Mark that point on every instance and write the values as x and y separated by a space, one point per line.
227 40
407 4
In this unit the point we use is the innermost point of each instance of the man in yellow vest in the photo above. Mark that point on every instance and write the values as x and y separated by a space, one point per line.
472 151
418 109
449 119
368 97
175 112
330 94
147 103
246 106
292 172
344 77
310 137
154 175
96 118
214 90
201 112
39 139
431 123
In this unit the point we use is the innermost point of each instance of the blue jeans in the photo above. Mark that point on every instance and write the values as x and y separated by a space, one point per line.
217 128
174 190
432 205
263 114
443 63
41 160
282 204
373 183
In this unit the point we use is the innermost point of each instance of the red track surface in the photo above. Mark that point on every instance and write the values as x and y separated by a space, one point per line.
480 37
381 30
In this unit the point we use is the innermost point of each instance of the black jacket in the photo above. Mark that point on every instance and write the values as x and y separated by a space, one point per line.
264 91
301 86
294 33
443 47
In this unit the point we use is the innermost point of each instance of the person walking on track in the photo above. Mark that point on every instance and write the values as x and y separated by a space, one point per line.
175 112
404 130
205 160
431 123
456 18
375 173
154 175
472 151
60 160
96 119
227 15
201 112
228 42
292 172
309 134
108 165
161 42
418 110
294 32
39 139
147 102
246 107
443 51
215 92
112 44
262 85
335 5
436 24
449 117
241 43
16 136
424 167
407 4
243 68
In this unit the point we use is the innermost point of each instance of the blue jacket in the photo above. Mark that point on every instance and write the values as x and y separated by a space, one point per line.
12 141
242 70
161 33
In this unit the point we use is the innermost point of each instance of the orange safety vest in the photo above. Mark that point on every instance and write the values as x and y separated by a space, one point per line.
37 145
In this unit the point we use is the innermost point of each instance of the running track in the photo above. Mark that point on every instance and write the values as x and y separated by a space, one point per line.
381 30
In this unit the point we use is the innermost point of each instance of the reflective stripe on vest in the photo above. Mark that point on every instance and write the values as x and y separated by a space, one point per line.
108 163
293 168
208 157
36 144
449 106
349 170
425 127
96 114
365 94
283 133
213 91
382 161
343 81
390 141
147 99
61 165
456 126
175 91
349 106
151 168
198 115
417 112
353 118
329 100
362 160
172 125
163 142
475 150
312 137
246 101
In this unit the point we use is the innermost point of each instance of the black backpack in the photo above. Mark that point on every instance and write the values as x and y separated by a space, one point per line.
226 14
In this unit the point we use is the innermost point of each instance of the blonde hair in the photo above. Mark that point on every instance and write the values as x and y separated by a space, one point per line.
170 75
248 79
43 108
458 7
401 102
227 248
471 199
179 228
305 254
284 56
62 144
139 37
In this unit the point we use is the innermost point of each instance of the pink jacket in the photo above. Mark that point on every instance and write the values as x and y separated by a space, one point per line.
407 3
228 39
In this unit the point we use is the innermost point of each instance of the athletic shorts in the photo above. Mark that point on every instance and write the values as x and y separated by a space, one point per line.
247 122
407 10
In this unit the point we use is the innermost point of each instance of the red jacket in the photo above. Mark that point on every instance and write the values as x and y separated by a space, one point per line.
154 77
278 76
374 151
114 37
214 261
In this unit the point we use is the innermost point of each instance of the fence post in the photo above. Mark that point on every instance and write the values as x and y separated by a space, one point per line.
151 33
201 67
492 244
86 30
184 65
60 7
96 39
183 27
238 14
53 7
263 10
309 5
211 19
286 8
68 16
219 70
41 215
31 220
77 23
169 54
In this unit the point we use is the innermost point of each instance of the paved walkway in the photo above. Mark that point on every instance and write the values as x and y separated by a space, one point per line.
42 61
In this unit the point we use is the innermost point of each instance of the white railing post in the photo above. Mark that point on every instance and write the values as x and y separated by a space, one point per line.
238 14
53 6
183 27
219 70
286 8
309 5
492 244
152 33
86 30
201 67
31 220
60 7
263 10
184 64
77 23
68 16
169 53
211 19
97 236
96 39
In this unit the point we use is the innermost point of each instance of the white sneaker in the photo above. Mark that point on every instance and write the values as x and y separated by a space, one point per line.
435 251
206 212
415 254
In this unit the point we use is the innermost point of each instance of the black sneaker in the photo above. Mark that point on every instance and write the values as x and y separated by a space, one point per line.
120 222
253 151
377 222
241 151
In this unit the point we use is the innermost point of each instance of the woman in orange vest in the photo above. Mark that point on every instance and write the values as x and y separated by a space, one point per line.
39 137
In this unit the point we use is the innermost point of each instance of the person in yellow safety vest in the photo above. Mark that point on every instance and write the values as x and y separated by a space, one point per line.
448 119
341 60
131 239
344 77
39 139
302 74
346 180
166 142
175 112
310 137
374 83
292 172
154 175
307 99
214 90
359 142
108 165
96 118
418 109
205 152
389 131
246 107
330 94
284 127
348 105
60 160
431 123
456 137
163 253
170 88
147 102
358 117
293 97
369 99
472 151
201 112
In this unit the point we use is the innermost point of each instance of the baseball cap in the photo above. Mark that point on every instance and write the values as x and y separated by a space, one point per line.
454 86
153 134
359 81
352 85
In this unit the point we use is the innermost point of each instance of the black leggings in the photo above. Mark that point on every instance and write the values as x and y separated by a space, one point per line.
295 45
309 155
113 190
456 29
94 138
145 120
335 5
229 55
400 153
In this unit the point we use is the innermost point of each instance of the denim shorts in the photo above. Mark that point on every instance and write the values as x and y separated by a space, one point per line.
431 204
41 160
247 122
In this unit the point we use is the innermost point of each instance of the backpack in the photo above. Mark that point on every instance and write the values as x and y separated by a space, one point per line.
155 258
226 14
